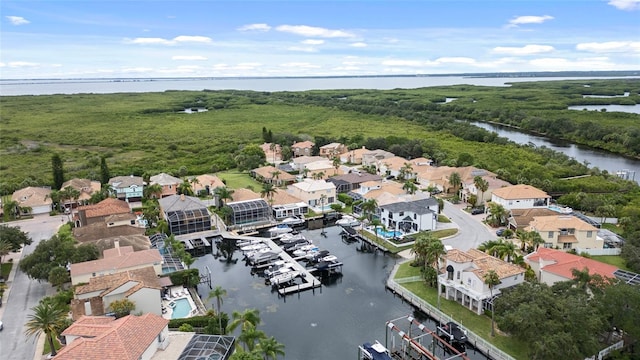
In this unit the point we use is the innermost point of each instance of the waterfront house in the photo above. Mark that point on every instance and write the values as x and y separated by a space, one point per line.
332 150
410 216
372 157
104 337
462 278
318 194
127 188
140 286
185 214
109 207
286 205
33 200
168 183
302 148
351 181
566 232
552 265
206 184
272 175
118 259
354 156
85 187
520 196
249 213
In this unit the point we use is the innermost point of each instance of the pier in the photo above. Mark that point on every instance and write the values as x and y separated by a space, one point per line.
350 234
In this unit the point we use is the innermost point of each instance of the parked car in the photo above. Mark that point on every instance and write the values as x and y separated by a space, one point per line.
476 211
499 232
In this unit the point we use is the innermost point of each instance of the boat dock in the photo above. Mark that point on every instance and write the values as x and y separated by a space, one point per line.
351 234
305 281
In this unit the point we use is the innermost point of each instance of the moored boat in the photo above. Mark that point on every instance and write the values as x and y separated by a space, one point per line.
375 351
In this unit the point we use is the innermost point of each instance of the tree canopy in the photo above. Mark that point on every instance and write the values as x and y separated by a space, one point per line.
15 237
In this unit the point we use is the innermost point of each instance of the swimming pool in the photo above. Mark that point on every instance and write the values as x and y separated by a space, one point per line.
388 234
181 308
169 269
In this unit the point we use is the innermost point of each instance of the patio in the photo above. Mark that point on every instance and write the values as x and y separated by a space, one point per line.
173 301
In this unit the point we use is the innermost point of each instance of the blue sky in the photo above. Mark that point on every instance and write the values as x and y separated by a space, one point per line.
102 39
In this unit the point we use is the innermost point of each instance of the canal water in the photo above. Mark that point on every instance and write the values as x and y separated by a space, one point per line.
329 322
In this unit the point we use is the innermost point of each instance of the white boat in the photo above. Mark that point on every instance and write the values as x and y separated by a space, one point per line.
375 351
284 278
297 245
293 221
280 229
304 250
329 259
287 267
276 266
248 242
348 220
264 257
253 247
289 238
254 253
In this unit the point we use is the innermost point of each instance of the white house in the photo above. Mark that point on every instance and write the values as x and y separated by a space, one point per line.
410 216
316 193
463 279
520 196
128 188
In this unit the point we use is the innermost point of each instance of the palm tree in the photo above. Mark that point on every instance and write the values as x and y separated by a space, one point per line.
273 147
223 193
455 181
406 171
410 187
482 185
492 279
508 249
497 214
369 208
419 249
11 209
249 336
218 293
194 181
69 193
245 319
153 191
5 249
535 239
336 164
275 175
268 190
46 318
270 348
184 188
305 172
318 175
435 250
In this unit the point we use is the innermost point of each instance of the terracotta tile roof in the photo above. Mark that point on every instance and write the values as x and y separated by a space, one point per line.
309 185
126 338
117 263
557 222
458 256
394 163
303 145
244 195
145 277
108 206
32 196
562 263
309 159
85 186
100 230
282 197
523 217
520 191
267 173
165 179
482 263
211 180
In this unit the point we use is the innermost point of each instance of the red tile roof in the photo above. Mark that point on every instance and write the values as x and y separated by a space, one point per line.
109 206
118 263
563 263
126 338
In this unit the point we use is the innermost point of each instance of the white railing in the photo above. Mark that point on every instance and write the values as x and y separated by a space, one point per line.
478 342
606 351
597 252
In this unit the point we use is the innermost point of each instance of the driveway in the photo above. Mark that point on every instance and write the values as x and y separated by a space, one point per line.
24 293
471 231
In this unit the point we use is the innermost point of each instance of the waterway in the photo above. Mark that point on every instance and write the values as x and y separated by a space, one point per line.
595 158
328 322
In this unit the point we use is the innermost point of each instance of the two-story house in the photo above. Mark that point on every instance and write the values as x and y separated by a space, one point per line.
185 214
318 194
520 196
351 181
410 216
354 156
169 183
463 278
96 213
332 150
272 175
272 152
85 187
566 232
205 184
372 157
127 188
302 148
552 266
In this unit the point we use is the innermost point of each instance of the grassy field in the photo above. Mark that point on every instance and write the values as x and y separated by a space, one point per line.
479 324
614 260
239 180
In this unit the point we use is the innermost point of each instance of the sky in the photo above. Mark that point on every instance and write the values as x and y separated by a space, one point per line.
162 38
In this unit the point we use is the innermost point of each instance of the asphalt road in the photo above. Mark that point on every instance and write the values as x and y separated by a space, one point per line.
25 293
471 233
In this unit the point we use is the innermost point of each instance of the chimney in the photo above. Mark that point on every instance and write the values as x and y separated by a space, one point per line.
182 197
116 245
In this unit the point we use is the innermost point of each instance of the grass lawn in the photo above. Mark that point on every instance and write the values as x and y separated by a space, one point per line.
396 249
6 269
443 219
613 228
614 260
238 180
406 270
47 348
479 324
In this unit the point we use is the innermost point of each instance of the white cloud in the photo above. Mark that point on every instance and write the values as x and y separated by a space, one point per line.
301 65
525 50
136 70
2 64
311 31
255 27
628 5
188 57
610 46
456 60
359 45
313 42
529 20
407 63
17 20
308 49
21 64
174 41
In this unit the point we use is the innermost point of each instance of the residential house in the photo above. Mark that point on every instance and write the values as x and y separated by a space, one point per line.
140 286
318 194
104 337
169 183
435 177
566 232
322 170
206 184
463 278
410 216
520 196
300 163
272 175
185 214
286 205
354 156
118 259
192 346
303 148
333 150
351 181
244 194
519 219
33 200
127 188
272 152
468 175
105 234
97 213
400 167
373 157
248 213
85 187
552 265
